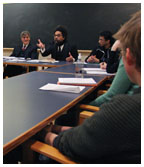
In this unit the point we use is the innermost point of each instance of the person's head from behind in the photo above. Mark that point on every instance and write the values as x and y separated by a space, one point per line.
25 37
105 39
60 34
130 38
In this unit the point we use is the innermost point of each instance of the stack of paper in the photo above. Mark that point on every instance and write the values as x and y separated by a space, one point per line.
77 81
62 88
8 57
79 62
97 71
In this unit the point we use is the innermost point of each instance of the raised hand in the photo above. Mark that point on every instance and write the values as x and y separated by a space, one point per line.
40 44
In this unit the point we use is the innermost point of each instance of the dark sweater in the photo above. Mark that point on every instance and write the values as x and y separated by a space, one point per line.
112 135
113 62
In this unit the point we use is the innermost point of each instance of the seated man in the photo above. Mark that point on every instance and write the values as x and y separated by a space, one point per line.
59 49
101 53
112 135
26 50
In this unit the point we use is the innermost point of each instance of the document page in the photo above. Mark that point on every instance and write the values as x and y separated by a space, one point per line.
62 88
93 69
97 71
76 81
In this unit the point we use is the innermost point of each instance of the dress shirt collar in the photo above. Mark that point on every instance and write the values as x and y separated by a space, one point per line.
60 47
25 46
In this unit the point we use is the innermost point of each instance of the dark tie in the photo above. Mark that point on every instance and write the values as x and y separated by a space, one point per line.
23 48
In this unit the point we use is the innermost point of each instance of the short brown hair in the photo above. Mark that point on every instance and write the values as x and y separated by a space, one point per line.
130 37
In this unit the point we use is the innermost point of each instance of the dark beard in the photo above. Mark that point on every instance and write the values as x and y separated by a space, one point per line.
59 43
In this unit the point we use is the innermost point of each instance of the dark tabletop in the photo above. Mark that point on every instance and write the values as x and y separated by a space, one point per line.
71 68
24 105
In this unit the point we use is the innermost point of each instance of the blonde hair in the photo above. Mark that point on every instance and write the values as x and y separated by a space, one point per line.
130 37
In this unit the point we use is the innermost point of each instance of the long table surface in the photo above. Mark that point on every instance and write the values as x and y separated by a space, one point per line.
27 109
28 63
70 68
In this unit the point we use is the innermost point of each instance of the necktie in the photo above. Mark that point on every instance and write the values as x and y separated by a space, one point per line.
24 47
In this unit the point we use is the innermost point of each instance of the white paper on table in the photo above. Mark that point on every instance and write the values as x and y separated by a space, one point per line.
20 60
34 60
76 80
93 69
56 61
62 88
11 60
9 57
81 62
99 72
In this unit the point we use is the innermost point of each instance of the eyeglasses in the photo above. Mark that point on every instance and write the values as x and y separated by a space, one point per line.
57 35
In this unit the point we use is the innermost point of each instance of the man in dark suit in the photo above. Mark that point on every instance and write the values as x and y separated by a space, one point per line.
25 50
59 49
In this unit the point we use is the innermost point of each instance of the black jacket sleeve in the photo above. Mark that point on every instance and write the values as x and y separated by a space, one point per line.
92 53
113 62
97 52
15 52
74 52
49 49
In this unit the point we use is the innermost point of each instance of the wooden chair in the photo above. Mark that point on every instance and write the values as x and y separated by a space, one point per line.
88 107
54 153
101 92
84 115
51 152
108 85
88 112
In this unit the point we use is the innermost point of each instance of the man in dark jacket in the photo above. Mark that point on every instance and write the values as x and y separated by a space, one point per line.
101 53
59 49
25 50
113 134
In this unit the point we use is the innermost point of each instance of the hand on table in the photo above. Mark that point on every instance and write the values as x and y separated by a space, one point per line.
92 59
